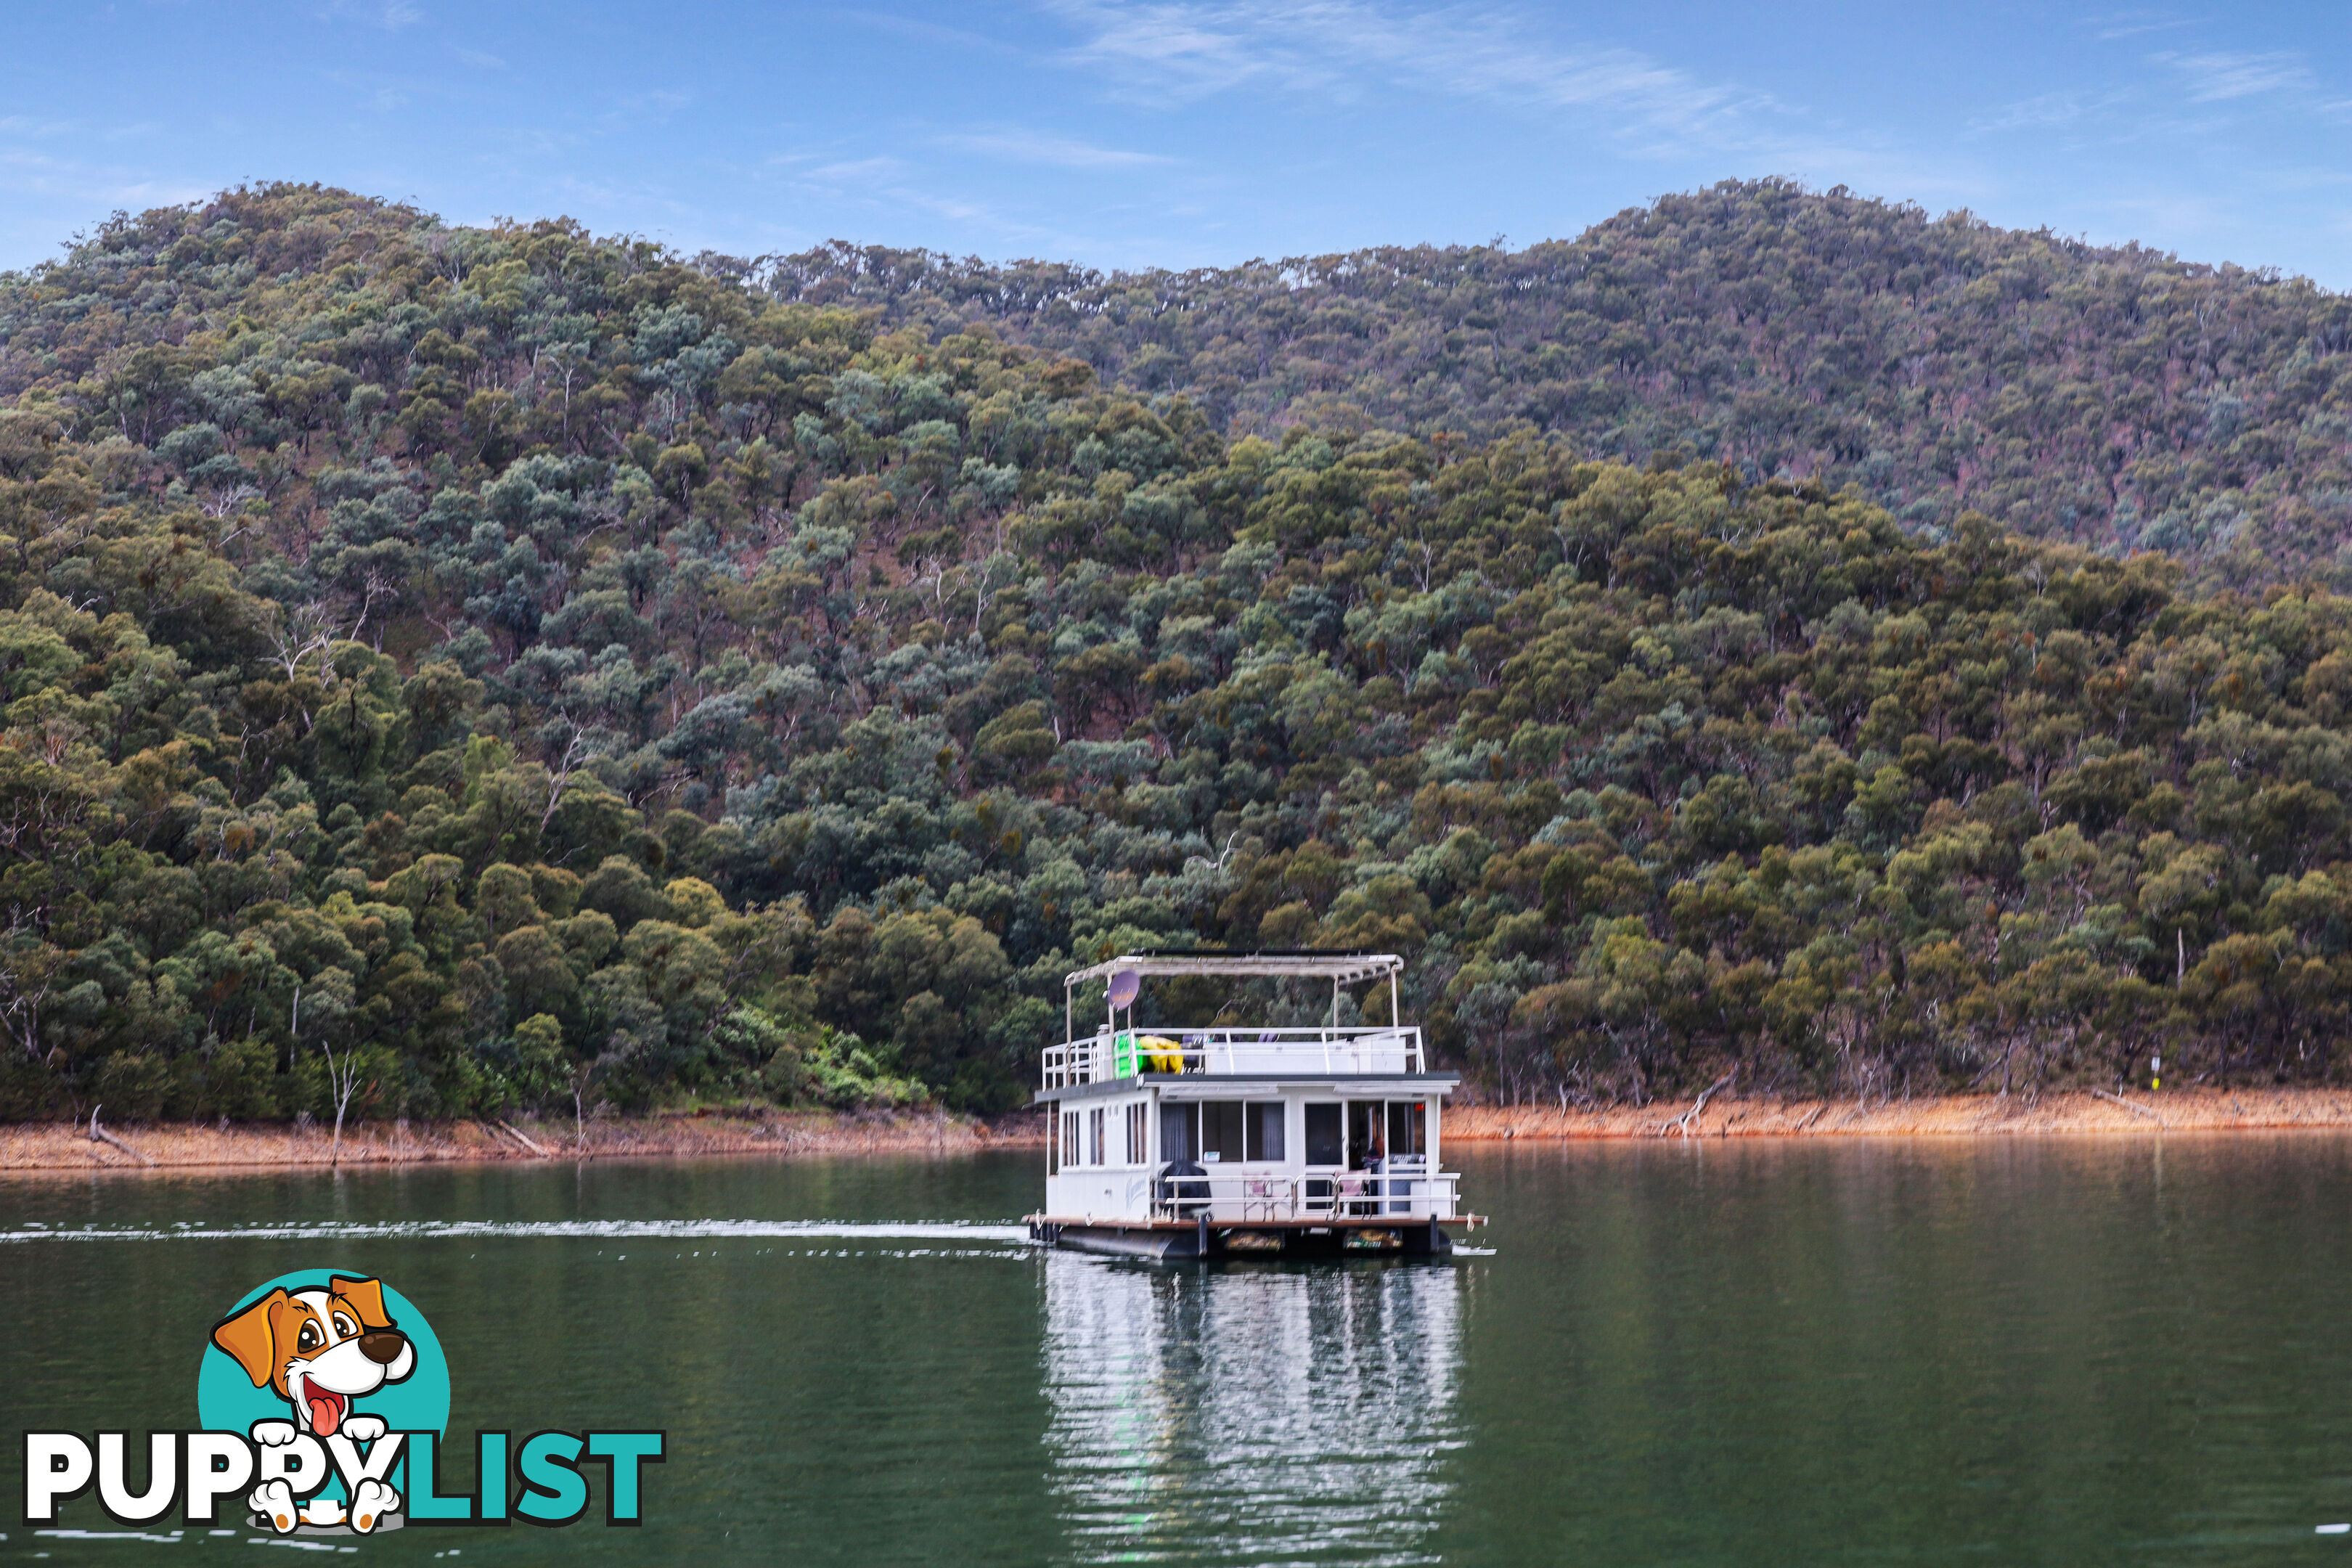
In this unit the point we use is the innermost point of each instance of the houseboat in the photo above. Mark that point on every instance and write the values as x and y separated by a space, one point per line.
1221 1140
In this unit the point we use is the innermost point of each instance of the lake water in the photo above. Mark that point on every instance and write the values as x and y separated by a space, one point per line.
1721 1353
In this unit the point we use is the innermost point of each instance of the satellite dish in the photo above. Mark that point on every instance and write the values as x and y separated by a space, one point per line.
1123 988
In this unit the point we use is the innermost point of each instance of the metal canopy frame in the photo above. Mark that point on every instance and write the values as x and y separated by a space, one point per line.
1339 968
1343 967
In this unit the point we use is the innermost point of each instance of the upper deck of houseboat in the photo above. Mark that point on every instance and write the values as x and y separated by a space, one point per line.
1111 1054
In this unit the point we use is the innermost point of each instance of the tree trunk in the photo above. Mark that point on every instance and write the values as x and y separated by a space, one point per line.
342 1081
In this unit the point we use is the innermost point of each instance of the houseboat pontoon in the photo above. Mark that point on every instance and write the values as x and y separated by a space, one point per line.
1224 1141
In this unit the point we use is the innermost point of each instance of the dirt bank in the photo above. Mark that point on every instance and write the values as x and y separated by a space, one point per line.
2135 1113
57 1146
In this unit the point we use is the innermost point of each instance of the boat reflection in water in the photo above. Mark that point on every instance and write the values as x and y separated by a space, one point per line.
1252 1415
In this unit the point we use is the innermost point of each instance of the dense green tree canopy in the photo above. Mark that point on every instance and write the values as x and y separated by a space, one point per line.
2112 397
541 665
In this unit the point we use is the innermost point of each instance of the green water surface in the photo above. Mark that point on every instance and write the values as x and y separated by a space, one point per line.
1739 1355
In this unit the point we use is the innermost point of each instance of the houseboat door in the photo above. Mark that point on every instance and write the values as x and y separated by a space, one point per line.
1389 1140
1386 1129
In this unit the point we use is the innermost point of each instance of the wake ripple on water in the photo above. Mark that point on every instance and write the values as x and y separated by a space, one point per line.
990 1238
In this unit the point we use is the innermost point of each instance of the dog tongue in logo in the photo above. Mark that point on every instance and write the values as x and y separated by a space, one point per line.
326 1407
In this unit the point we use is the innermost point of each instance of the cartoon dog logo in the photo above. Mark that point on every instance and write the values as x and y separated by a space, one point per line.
320 1350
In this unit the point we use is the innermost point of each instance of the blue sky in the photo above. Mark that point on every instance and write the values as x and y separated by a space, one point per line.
1186 132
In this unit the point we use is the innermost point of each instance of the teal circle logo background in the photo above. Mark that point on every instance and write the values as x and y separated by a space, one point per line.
226 1400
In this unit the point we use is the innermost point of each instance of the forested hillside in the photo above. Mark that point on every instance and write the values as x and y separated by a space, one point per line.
509 664
2116 397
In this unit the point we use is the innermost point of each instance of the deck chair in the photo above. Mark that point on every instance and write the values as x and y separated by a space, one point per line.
1261 1195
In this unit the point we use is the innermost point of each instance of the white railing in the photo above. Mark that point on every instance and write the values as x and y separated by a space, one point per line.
1240 1197
1106 1056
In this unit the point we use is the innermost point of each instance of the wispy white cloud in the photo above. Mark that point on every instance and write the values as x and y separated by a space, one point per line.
92 187
655 107
1004 228
927 32
2078 114
477 59
2219 78
1182 50
2135 23
2167 97
961 209
2048 111
1015 146
851 171
390 15
2174 213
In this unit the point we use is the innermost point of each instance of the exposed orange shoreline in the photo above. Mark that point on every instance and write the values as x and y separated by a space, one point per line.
179 1145
2133 1113
61 1146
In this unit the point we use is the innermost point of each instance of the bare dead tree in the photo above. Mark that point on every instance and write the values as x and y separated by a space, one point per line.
1222 857
985 588
448 254
342 1081
225 500
342 1071
378 584
1682 1125
296 634
581 1077
24 988
576 749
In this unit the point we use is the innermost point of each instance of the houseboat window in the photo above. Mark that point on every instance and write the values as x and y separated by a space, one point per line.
1054 1152
1137 1153
1180 1131
1096 1154
1222 1121
1262 1120
1227 1132
1408 1128
1324 1145
1069 1138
